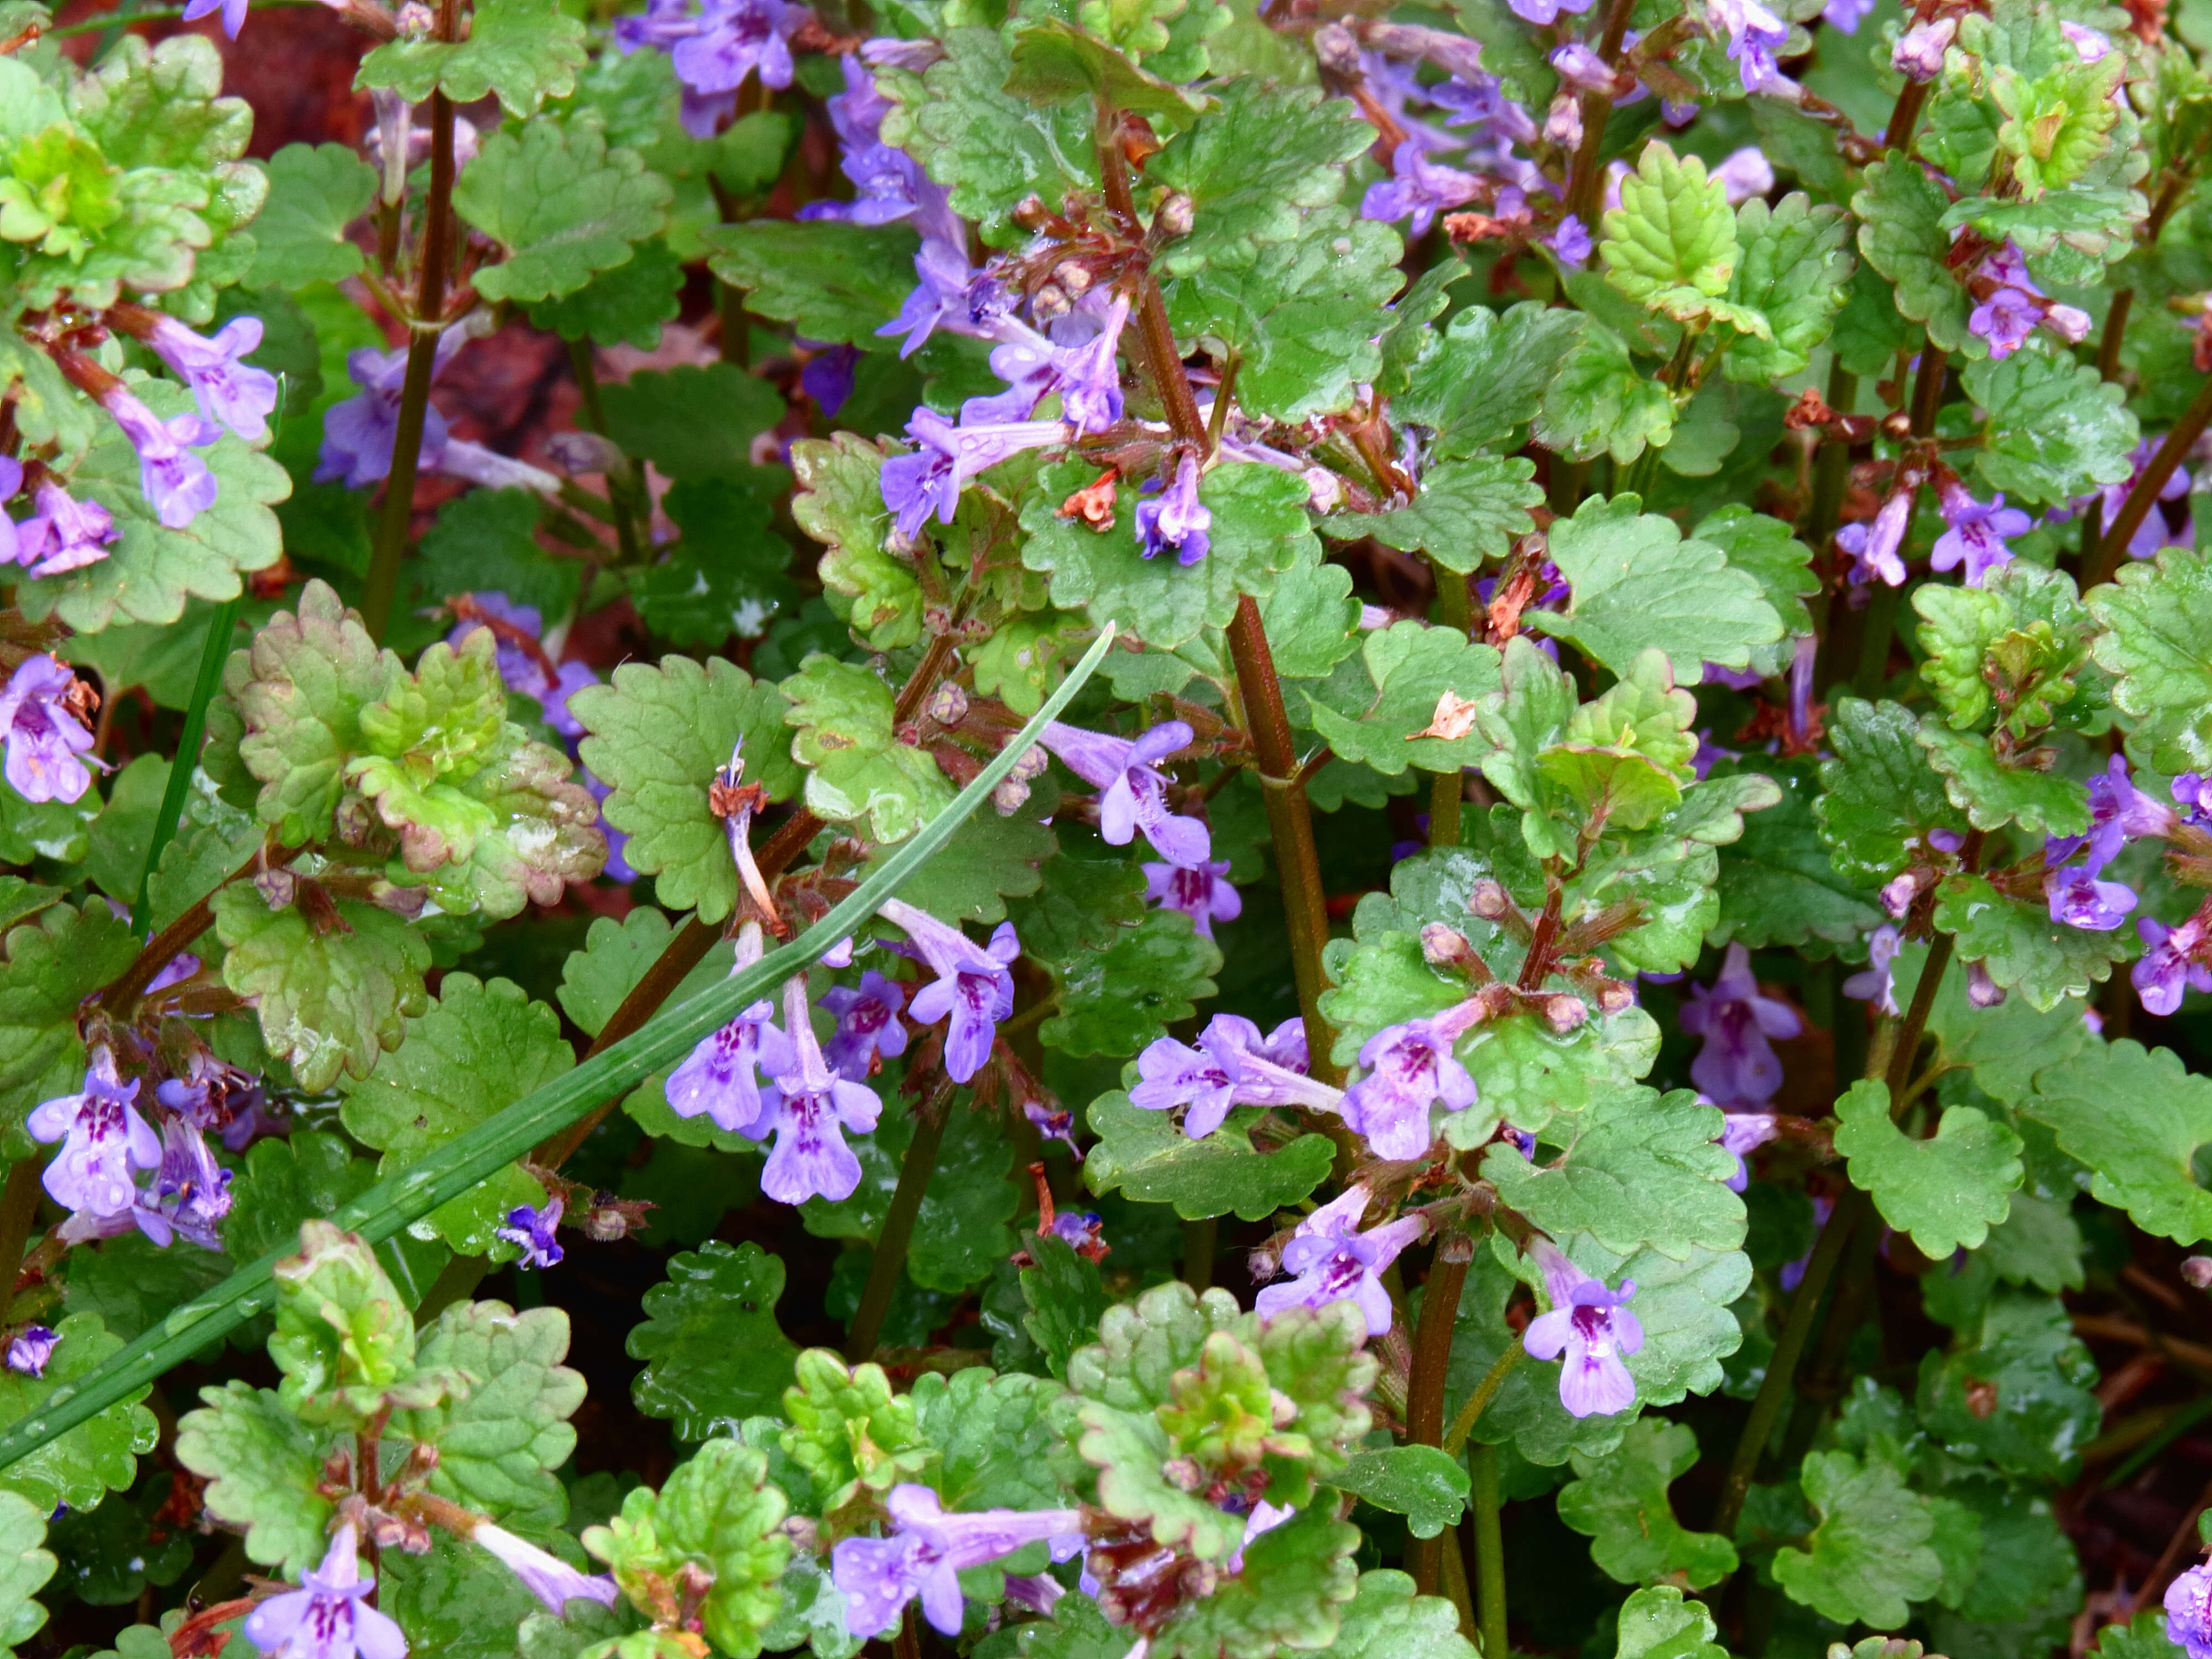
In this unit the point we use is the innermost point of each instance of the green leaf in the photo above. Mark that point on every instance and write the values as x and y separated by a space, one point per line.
54 960
726 575
1022 661
1643 1170
1418 1482
998 1442
625 306
132 1284
840 504
1659 1624
2136 1117
1144 1155
1297 315
2019 945
720 1517
23 1568
1290 1596
2052 430
483 1046
80 1466
1264 153
1881 796
1468 511
2019 1392
1388 1620
1900 211
989 146
1260 531
1374 707
655 737
1793 272
1776 883
1869 1555
1066 1300
1601 403
286 1181
562 204
1312 621
300 689
1054 63
1671 243
1947 1190
595 980
524 51
327 1001
993 858
1764 549
315 191
836 283
1992 792
2157 644
2014 642
693 422
1636 583
150 569
264 1467
450 1602
713 1352
499 1444
486 541
1116 1000
1619 1501
848 1431
344 1339
1485 375
858 771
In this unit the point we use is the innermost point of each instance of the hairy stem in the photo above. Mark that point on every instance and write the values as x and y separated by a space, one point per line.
623 494
2144 495
1928 390
426 325
889 1263
2116 332
1489 1551
19 1207
1456 1588
1425 1391
1906 115
1199 1239
1484 1392
213 655
1583 183
121 997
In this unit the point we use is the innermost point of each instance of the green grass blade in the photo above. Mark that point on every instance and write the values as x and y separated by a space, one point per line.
460 1164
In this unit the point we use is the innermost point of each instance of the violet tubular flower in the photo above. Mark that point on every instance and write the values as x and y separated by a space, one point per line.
1742 1133
974 987
1334 1262
1918 54
721 1075
2118 812
360 432
328 1617
1591 1327
234 14
190 1193
1408 1068
2078 896
534 1232
867 1024
1977 533
1176 520
1754 34
544 1575
1200 891
1132 792
1872 547
176 482
2188 1611
1417 189
2005 320
41 732
65 534
813 1107
104 1142
30 1351
925 1554
2171 962
928 480
1231 1065
1875 983
1737 1065
228 392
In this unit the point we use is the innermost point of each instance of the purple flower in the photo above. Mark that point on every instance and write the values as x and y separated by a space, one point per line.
1335 1261
1232 1064
946 456
42 733
1582 68
925 1555
2188 1611
66 534
2192 793
719 1078
827 377
2170 965
1409 1067
1200 891
1176 520
1741 1133
546 1575
867 1024
1744 173
1544 11
1918 55
1477 99
191 1193
1846 15
1754 34
328 1617
30 1351
1053 1122
2152 534
1977 534
950 294
104 1142
177 483
2090 46
813 1107
522 667
234 19
1737 1066
2005 320
1132 793
1874 547
2078 897
1875 984
228 392
1082 1231
731 39
358 434
1982 991
534 1232
1593 1328
974 984
1418 187
1571 242
1091 388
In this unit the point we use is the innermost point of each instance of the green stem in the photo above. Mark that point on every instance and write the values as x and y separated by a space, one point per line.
1484 1392
1831 473
2144 495
1879 621
1489 1551
1424 1387
19 1208
457 1281
624 494
1587 176
1199 1242
888 1266
213 655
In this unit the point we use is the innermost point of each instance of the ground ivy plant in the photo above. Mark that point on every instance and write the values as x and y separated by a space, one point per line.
1140 830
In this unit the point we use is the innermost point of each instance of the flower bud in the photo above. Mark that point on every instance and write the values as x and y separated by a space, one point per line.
1049 303
1444 946
948 704
1565 1011
1072 276
1489 900
1174 218
2197 1270
276 888
1010 797
1336 49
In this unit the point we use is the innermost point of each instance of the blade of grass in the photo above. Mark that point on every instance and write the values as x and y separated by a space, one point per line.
213 655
